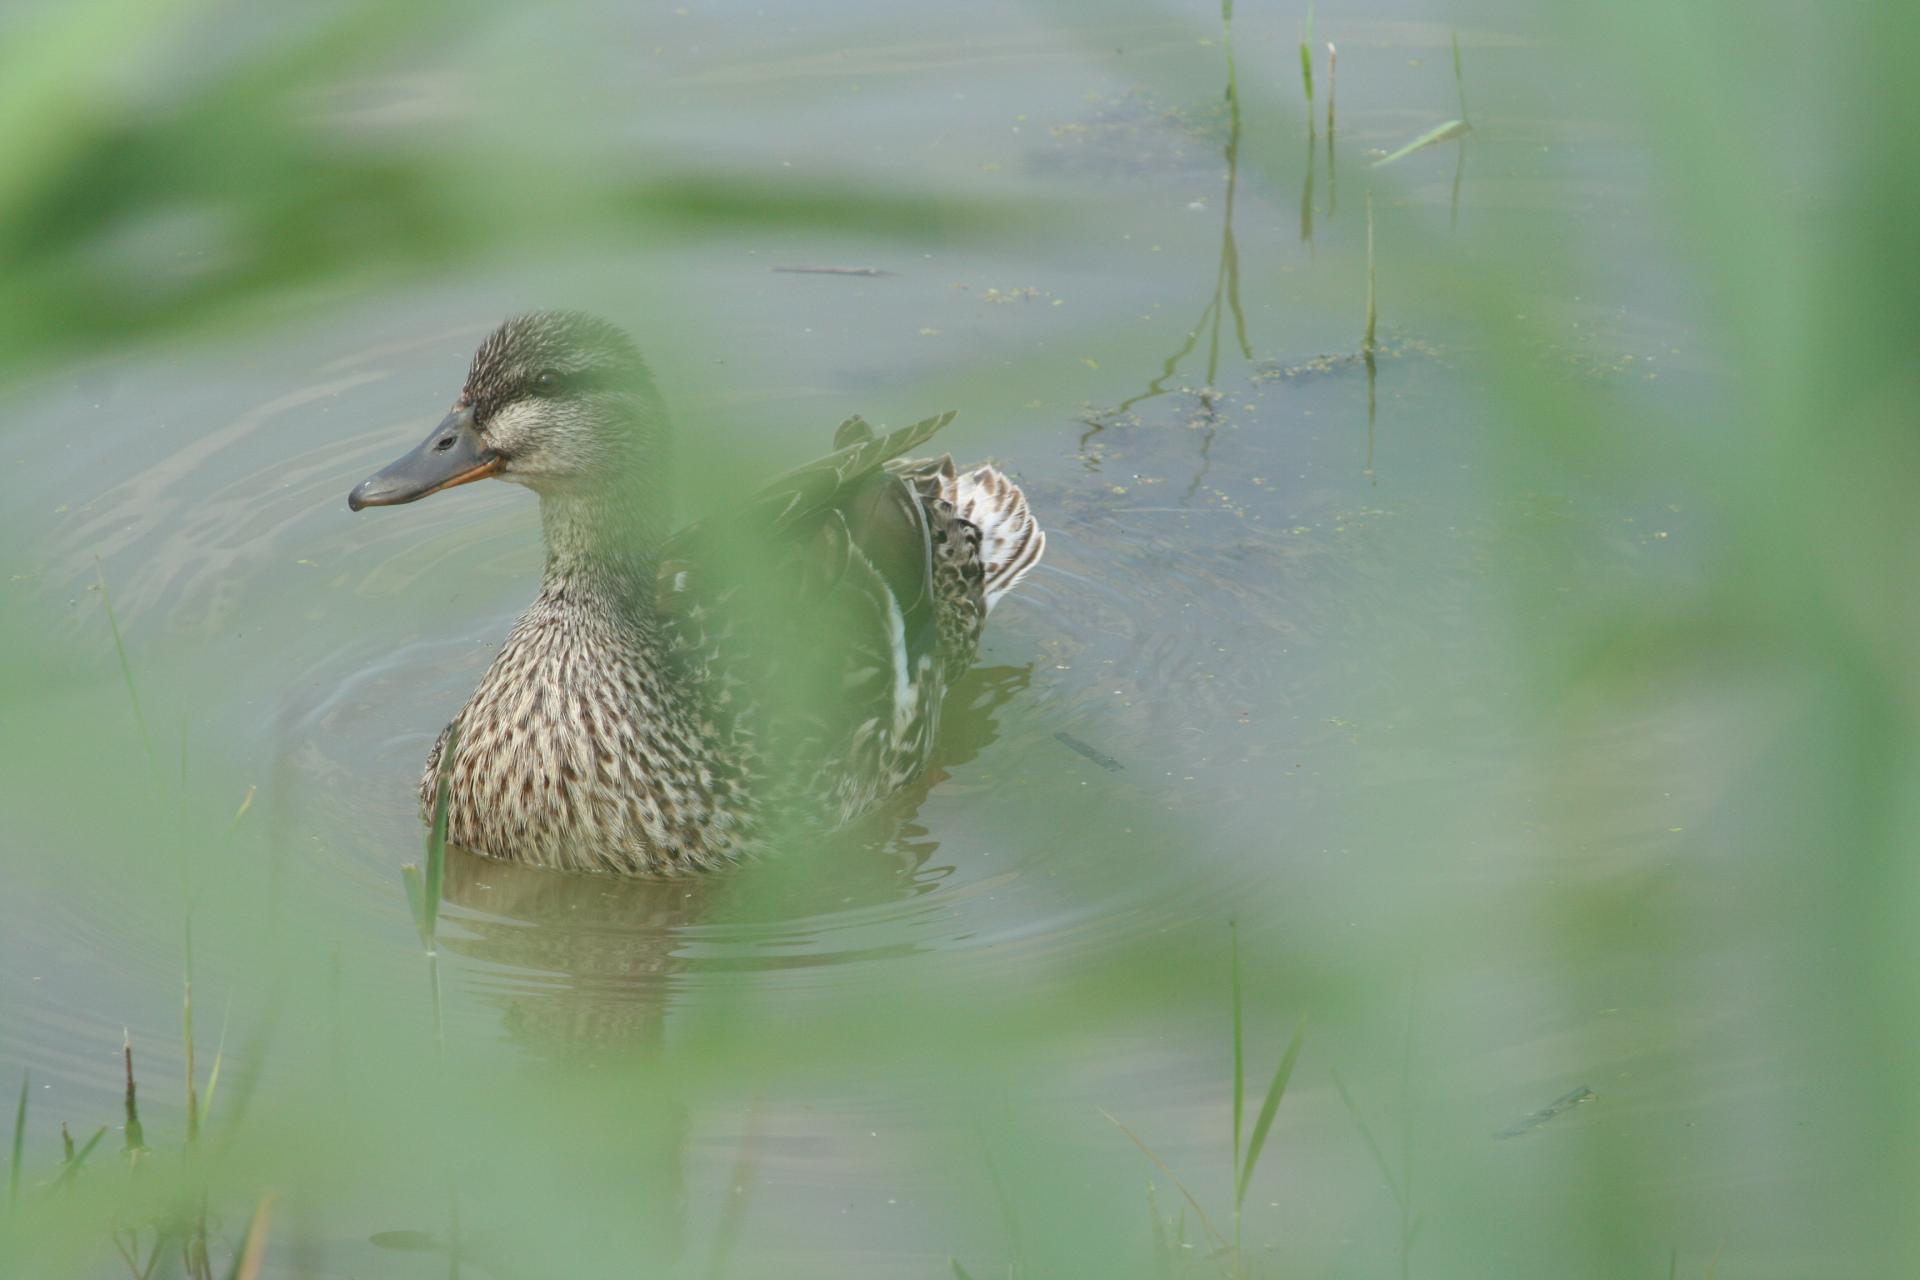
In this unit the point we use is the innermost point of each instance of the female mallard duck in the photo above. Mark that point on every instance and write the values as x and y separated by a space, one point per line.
670 701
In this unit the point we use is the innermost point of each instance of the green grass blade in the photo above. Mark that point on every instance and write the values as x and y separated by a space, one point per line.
1306 65
126 668
1239 1057
219 1055
71 1169
1439 133
1366 341
1008 1215
1268 1108
1162 1246
252 1253
959 1272
1459 80
1219 1240
19 1143
246 803
186 1038
416 899
136 1137
1366 1135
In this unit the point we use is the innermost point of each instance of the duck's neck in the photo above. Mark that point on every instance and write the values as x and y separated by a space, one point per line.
603 547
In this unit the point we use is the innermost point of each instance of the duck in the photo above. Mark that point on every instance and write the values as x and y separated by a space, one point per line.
677 700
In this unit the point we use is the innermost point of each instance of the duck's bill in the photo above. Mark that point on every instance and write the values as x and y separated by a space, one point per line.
452 455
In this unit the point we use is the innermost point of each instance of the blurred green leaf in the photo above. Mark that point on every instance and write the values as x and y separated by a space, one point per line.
1439 133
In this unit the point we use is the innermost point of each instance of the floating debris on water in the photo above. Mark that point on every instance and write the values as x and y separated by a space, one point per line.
869 272
1566 1102
1092 753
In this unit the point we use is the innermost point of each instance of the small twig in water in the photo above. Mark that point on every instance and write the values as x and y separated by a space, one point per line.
1092 753
869 272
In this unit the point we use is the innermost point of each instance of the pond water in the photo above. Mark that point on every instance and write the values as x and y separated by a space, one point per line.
1281 667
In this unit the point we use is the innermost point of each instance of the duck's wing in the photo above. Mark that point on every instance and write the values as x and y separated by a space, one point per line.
824 577
855 502
858 453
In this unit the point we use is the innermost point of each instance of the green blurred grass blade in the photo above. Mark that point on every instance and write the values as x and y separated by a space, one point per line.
1005 1200
1366 1135
1219 1240
1306 67
1367 339
1268 1108
219 1055
416 900
252 1253
136 1137
71 1168
1239 1057
126 668
1459 79
1162 1246
246 803
1439 133
186 1038
19 1143
959 1272
437 841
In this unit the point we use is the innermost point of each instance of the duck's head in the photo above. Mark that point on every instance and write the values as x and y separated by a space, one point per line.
556 400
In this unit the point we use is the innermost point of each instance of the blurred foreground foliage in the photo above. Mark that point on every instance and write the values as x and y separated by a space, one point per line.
166 164
137 201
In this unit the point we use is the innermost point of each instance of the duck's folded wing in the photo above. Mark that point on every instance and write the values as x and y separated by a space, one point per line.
830 566
836 489
818 484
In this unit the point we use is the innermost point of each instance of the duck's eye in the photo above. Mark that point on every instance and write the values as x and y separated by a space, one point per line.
546 382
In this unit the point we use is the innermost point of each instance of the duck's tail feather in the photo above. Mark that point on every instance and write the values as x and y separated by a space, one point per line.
1010 540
